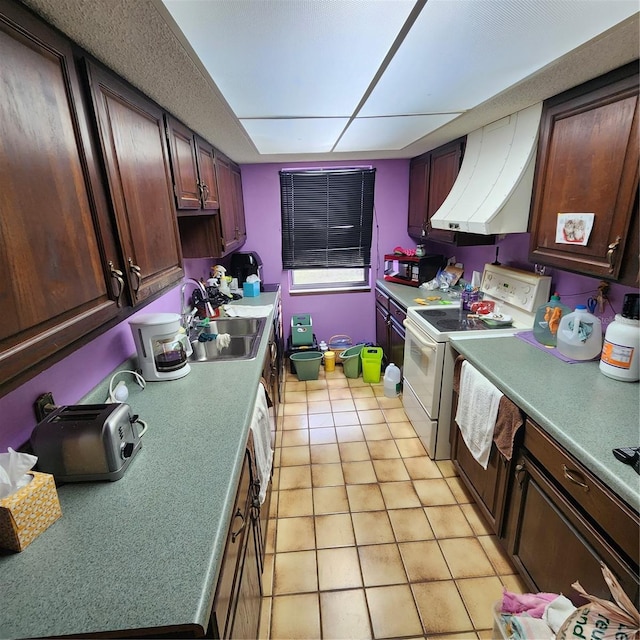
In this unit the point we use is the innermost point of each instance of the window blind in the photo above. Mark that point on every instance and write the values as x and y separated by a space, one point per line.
327 218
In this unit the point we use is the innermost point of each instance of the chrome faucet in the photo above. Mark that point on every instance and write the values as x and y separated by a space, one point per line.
186 314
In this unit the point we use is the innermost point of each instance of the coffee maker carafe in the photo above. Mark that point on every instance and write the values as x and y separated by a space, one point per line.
163 348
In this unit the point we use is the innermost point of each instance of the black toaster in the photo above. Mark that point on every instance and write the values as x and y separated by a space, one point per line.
78 443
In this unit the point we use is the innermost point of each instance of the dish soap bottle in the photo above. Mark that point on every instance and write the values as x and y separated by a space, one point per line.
621 347
580 335
547 321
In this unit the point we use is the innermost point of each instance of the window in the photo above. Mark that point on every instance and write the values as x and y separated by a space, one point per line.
327 223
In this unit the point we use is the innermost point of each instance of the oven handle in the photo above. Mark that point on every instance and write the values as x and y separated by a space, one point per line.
431 346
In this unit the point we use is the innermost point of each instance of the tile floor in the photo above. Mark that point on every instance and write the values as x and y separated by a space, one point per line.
367 536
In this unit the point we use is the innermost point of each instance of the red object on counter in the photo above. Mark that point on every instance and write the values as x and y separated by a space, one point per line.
483 307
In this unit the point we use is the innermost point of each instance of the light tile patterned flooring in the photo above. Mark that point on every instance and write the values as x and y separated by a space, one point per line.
367 536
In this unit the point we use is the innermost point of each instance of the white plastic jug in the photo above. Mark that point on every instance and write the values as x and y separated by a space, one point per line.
580 335
391 381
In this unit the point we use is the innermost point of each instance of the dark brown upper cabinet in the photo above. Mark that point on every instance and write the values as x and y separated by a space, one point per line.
232 219
194 171
132 138
57 245
588 163
431 177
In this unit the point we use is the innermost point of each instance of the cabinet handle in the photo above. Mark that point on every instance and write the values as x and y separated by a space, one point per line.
611 254
134 269
116 274
574 476
235 534
205 192
520 469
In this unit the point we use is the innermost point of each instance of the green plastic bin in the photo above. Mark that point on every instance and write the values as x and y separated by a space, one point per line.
371 364
307 364
351 361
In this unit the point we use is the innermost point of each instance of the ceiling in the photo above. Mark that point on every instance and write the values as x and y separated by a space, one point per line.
293 80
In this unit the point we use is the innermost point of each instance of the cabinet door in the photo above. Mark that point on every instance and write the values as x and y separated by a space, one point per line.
230 574
382 330
397 316
247 613
418 187
207 173
553 545
587 163
134 147
55 235
445 166
241 227
232 220
184 165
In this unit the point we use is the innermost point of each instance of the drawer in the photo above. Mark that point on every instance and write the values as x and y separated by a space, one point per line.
382 299
619 521
397 312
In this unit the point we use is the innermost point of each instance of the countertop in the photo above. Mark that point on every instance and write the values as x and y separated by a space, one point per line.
405 295
144 551
586 412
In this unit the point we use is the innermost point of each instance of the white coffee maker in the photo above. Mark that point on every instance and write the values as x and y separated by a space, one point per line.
163 347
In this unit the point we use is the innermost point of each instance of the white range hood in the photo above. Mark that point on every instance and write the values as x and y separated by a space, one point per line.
492 192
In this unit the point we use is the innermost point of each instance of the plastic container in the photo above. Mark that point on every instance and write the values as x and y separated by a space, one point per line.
371 362
580 335
351 362
329 361
307 364
338 344
291 350
621 346
391 381
301 330
547 321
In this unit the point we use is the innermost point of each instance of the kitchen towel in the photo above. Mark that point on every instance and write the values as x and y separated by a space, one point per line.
509 418
478 404
261 429
246 311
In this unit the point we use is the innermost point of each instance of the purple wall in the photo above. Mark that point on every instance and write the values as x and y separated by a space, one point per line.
343 313
73 377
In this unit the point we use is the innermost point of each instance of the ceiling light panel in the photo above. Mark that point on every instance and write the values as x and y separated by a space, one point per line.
390 133
297 135
297 58
459 54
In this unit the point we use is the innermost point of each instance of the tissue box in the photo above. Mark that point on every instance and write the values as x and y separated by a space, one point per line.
25 514
251 289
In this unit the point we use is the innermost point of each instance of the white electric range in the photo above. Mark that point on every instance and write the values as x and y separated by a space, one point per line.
429 359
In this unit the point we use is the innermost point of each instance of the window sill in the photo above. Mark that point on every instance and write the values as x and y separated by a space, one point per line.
323 290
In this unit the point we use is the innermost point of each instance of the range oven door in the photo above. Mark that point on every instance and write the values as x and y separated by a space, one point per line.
423 366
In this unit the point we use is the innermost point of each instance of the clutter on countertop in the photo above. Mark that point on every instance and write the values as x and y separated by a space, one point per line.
29 501
580 335
547 320
621 346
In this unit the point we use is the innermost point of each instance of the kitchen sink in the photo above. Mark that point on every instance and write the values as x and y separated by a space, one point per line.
245 334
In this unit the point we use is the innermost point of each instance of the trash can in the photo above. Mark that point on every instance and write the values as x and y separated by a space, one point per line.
307 364
371 364
291 350
351 361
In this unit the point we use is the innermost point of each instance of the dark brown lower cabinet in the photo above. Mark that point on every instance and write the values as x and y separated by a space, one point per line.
555 519
487 486
236 607
562 522
554 545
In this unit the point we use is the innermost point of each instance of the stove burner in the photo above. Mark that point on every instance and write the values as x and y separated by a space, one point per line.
450 324
433 313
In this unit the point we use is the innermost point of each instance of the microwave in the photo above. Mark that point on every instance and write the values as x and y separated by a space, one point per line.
412 270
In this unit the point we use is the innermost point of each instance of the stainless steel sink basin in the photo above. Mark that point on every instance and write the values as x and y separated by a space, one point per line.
245 334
